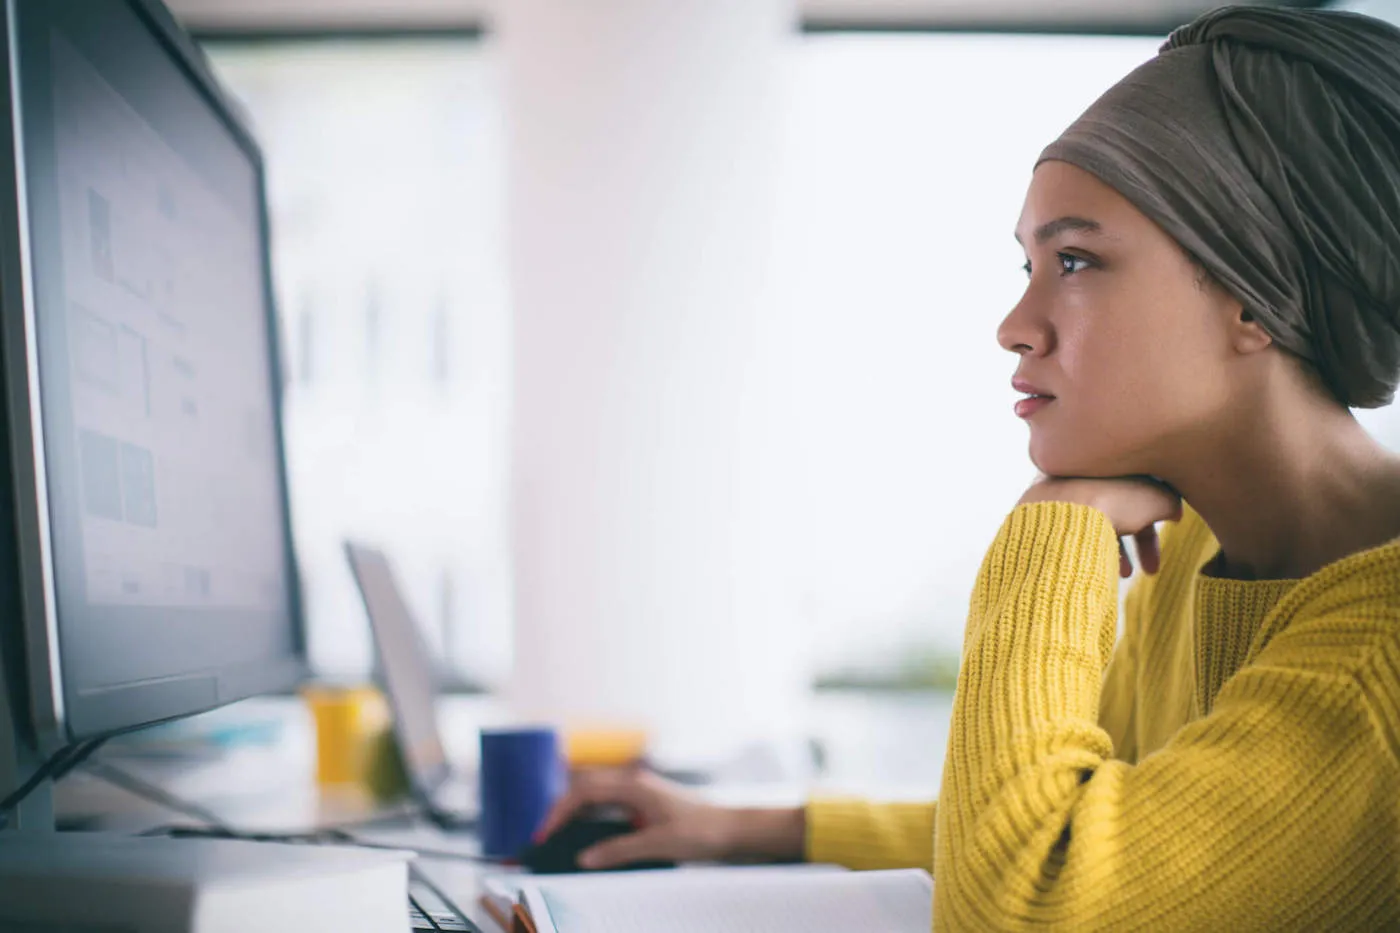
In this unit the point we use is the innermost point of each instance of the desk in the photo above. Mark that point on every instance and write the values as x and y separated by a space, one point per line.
264 785
302 808
269 785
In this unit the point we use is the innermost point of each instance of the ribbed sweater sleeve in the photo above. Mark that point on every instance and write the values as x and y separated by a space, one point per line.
863 835
1277 810
1117 706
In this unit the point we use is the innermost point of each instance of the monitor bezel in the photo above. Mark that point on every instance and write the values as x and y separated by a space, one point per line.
49 722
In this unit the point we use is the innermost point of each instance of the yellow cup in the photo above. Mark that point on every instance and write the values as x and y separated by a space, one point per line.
348 721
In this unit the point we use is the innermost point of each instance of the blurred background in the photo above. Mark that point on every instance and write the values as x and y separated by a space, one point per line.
655 339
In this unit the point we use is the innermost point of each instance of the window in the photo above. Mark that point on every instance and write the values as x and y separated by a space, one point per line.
385 178
908 157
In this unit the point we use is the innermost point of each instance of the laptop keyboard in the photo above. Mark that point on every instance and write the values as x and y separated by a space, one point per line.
427 910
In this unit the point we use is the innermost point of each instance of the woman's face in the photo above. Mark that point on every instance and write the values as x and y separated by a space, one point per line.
1117 328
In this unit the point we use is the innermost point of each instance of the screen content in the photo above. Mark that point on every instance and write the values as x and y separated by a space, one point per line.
166 364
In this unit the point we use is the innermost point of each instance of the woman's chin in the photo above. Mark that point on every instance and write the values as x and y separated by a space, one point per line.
1054 460
1050 461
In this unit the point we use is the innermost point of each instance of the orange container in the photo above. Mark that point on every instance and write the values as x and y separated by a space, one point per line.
604 748
348 720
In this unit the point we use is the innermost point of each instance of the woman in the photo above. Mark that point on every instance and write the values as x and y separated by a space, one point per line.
1214 279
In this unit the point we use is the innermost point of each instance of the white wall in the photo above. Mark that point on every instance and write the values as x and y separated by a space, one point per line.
641 144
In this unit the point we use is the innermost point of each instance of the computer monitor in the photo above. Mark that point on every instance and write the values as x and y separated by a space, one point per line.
151 566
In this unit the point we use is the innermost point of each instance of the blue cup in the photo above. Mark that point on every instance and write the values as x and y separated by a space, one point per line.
522 775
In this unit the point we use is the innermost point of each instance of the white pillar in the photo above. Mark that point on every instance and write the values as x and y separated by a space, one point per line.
649 588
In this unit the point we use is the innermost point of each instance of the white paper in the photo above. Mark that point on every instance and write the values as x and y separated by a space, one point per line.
762 902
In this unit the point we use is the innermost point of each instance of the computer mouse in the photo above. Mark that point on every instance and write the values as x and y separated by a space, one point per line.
558 853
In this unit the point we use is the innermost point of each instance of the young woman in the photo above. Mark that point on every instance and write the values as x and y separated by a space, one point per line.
1214 280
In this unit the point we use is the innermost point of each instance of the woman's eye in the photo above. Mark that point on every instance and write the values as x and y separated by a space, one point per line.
1027 268
1070 264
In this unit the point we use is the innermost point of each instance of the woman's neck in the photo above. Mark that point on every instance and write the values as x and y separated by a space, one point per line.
1288 494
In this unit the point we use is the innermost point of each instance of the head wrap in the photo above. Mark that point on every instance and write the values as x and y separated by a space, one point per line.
1267 143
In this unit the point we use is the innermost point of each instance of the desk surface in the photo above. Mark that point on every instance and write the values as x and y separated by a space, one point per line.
268 783
298 805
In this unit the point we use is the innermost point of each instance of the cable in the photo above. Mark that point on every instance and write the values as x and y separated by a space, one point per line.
323 837
219 829
80 756
153 792
446 854
27 788
58 764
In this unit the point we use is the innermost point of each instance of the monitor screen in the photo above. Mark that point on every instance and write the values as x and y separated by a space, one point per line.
158 442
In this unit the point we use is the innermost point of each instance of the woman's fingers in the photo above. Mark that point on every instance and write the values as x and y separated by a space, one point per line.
564 808
591 788
1149 549
1149 552
1132 503
644 845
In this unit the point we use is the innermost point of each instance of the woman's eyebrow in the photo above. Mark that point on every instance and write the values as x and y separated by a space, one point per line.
1051 229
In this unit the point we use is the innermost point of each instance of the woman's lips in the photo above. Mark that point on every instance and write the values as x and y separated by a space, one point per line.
1029 406
1039 398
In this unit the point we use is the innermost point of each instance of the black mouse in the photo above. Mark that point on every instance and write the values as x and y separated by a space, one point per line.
559 852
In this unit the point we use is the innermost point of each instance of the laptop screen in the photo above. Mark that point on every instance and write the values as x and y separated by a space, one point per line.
405 667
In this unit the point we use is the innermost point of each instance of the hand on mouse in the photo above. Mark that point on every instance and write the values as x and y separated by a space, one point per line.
673 824
1134 504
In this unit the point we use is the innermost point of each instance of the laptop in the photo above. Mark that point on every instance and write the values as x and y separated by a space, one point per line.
407 675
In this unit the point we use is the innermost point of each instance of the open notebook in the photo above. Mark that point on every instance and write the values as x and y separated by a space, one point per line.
808 899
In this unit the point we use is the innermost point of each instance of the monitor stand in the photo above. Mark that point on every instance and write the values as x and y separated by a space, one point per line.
19 759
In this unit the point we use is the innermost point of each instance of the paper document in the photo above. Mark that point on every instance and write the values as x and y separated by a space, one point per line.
735 902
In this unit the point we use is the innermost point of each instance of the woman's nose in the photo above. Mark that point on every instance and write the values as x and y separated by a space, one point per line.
1023 331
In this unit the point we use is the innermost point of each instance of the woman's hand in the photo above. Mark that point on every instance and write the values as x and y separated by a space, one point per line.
1134 504
674 825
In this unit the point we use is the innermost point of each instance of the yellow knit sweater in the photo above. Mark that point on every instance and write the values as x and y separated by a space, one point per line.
1230 765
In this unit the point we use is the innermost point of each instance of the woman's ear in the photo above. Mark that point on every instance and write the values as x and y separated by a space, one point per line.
1246 336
